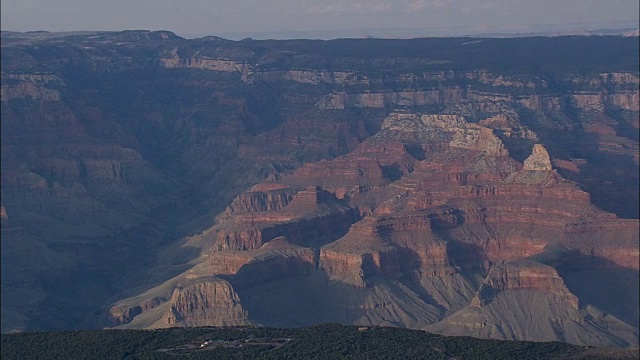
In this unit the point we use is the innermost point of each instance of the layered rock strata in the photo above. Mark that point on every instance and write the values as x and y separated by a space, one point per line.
118 149
459 208
206 303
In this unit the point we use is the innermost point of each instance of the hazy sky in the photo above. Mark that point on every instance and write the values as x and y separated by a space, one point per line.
217 16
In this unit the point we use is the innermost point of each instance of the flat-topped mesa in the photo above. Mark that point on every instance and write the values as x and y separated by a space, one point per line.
308 198
256 201
311 215
273 205
539 159
396 155
276 259
173 60
317 227
228 262
386 245
521 275
340 172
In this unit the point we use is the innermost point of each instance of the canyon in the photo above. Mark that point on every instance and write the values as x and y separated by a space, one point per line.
152 181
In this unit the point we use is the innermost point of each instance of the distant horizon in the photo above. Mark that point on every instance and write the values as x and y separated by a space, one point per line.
409 32
580 28
256 18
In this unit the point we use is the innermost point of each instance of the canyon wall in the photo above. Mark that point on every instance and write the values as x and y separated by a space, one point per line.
162 181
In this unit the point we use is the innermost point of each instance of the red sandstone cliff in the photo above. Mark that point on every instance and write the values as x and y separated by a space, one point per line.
460 208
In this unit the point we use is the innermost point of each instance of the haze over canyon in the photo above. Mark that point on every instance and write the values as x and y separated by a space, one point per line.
463 186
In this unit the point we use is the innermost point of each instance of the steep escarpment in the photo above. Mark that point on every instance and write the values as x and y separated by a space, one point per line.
206 303
546 310
153 179
461 230
312 215
524 274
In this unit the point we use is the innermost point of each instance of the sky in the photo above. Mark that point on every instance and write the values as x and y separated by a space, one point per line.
255 16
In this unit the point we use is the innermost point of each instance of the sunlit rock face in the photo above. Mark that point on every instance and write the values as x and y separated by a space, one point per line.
154 181
461 210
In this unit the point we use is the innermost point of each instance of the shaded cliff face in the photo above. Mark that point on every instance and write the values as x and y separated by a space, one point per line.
136 157
204 304
465 240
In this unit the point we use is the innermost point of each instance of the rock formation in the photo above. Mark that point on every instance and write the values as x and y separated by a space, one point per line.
413 183
538 160
523 274
458 210
206 303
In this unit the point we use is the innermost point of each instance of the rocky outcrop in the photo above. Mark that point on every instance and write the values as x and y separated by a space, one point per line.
386 246
538 160
119 149
300 231
228 262
627 100
509 127
260 201
588 102
458 206
277 260
478 138
206 303
309 216
523 275
173 60
341 172
4 217
481 187
28 90
355 268
119 315
34 86
343 100
362 253
310 77
462 134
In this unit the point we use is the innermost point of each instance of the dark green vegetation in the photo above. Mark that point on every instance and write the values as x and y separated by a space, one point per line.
329 341
542 55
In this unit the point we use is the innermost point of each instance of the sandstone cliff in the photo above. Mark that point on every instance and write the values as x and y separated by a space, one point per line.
523 275
538 160
458 211
206 303
358 181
